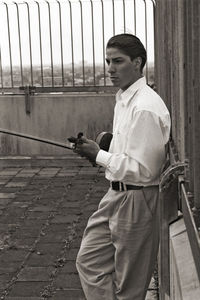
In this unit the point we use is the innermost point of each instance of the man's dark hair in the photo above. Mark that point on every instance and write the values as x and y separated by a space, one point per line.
130 45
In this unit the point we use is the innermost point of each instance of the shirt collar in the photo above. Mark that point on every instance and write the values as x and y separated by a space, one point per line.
126 95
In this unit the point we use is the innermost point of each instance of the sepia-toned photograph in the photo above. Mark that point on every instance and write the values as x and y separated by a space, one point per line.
99 150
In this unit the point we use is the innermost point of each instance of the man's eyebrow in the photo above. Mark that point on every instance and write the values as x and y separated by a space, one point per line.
114 58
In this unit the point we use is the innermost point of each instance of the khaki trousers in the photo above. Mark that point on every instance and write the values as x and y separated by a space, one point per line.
120 245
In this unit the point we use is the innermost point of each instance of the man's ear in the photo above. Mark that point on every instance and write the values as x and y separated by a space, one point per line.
137 62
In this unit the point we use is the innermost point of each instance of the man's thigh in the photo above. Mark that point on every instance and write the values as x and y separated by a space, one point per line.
135 236
96 250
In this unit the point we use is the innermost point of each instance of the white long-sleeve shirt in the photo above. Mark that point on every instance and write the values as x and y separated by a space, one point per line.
141 129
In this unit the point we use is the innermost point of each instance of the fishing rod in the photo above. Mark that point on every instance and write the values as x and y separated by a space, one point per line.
34 138
103 139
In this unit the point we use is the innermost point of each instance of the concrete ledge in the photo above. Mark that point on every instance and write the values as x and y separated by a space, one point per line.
43 161
184 283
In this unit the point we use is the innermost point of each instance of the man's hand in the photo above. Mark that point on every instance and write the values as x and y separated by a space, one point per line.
87 148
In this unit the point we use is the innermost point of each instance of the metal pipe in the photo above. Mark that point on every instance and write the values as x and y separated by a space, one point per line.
34 138
93 46
1 70
154 27
40 38
113 6
154 3
9 41
146 39
50 40
20 48
30 45
154 32
103 38
61 43
135 23
72 41
124 15
82 42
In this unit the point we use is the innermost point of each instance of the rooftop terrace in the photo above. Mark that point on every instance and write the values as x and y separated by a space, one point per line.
44 207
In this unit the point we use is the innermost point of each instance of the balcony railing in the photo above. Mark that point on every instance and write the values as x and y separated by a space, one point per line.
59 45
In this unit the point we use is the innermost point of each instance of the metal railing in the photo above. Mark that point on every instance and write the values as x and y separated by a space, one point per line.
59 45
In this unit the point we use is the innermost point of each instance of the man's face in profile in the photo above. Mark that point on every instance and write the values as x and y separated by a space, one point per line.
122 70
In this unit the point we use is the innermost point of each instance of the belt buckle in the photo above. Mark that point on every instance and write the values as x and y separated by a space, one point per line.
122 187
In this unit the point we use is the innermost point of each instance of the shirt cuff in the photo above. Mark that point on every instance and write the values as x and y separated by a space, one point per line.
103 158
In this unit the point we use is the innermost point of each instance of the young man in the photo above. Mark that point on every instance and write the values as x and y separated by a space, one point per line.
120 243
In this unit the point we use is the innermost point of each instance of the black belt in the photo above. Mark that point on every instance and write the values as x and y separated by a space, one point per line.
120 186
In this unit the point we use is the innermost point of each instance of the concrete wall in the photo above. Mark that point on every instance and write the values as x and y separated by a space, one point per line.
54 117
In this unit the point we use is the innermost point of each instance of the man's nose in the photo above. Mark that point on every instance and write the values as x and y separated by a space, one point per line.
111 68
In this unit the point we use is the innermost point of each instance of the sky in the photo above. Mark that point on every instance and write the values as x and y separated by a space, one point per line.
60 39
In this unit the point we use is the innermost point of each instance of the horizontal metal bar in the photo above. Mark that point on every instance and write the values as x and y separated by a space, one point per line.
192 231
69 89
10 91
93 89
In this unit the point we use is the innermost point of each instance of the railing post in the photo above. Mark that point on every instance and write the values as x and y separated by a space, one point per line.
28 91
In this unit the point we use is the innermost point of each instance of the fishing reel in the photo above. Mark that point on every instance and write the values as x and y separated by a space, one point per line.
103 139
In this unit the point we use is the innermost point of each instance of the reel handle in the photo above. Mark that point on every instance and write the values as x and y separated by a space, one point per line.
103 139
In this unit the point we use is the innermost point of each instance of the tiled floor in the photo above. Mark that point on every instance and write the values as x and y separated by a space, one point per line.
44 207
